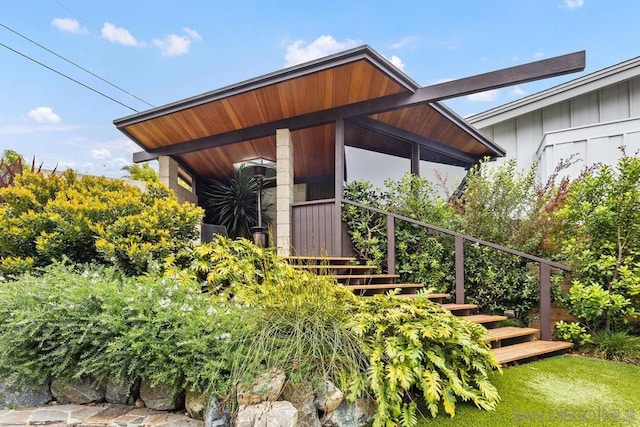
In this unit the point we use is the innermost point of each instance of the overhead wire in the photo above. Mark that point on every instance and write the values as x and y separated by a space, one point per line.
67 77
74 64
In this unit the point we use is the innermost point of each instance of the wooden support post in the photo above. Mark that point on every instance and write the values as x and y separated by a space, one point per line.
545 302
338 187
459 254
415 159
391 245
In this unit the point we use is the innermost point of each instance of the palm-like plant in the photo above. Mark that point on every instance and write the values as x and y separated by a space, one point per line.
233 204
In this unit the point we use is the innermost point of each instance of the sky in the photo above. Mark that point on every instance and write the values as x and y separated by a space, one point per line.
163 51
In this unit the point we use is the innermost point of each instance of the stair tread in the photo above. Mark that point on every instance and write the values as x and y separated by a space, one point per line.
335 266
483 318
386 286
509 332
318 258
454 307
511 353
430 296
365 276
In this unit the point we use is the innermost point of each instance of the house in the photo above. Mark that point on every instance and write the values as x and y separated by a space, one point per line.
302 117
590 116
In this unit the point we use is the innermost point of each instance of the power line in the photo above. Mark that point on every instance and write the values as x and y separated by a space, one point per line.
70 10
67 77
74 64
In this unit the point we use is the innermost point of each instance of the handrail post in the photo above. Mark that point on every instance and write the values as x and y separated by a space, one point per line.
459 255
545 302
391 245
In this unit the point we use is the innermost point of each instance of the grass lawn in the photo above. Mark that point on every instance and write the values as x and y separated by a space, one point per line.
559 391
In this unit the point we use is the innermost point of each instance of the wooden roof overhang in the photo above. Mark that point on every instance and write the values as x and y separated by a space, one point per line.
384 111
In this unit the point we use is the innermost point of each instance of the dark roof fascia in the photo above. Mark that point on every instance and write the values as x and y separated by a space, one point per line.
349 56
472 131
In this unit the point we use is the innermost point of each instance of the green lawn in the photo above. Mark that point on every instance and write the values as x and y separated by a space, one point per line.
559 391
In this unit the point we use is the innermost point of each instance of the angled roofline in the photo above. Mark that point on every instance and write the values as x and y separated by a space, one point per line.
561 92
348 56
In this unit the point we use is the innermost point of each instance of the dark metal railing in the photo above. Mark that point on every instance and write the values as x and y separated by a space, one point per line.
459 238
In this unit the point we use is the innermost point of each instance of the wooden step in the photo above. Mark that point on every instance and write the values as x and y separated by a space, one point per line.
430 296
508 332
364 278
486 320
459 307
329 267
527 350
321 260
387 286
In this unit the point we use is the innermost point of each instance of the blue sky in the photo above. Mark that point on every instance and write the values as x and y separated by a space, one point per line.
162 51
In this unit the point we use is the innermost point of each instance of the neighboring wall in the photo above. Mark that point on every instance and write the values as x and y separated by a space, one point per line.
594 125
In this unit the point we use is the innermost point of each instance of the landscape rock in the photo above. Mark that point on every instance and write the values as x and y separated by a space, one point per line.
78 391
215 415
267 387
24 396
357 414
195 404
160 397
118 392
301 397
268 414
329 398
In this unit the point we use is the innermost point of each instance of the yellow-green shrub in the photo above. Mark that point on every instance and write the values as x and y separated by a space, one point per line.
91 219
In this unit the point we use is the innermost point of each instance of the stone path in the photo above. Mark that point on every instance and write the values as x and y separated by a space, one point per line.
100 415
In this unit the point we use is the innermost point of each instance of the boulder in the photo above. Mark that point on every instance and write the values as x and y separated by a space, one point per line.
267 387
195 404
268 414
357 414
215 415
24 396
78 391
160 397
118 392
301 397
328 398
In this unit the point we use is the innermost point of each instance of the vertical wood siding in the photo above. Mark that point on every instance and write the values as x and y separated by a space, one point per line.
313 224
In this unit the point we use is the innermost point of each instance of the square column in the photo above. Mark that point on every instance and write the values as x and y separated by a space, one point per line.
168 173
284 190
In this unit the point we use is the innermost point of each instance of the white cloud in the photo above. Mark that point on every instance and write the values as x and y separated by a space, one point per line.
44 115
517 91
68 25
100 154
299 51
119 35
404 42
538 55
395 60
573 4
173 45
486 96
193 34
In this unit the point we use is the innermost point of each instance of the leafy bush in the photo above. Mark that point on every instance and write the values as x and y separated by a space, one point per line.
618 346
418 351
600 238
572 332
90 219
97 322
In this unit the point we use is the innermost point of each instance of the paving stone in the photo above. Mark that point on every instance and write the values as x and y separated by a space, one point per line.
15 418
76 416
107 414
47 417
127 420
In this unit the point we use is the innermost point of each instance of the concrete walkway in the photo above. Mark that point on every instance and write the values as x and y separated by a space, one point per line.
99 415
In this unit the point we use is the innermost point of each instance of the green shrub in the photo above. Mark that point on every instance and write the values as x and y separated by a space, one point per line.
96 322
618 346
90 219
572 332
419 352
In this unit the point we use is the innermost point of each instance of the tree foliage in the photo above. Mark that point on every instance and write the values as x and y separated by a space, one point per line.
144 173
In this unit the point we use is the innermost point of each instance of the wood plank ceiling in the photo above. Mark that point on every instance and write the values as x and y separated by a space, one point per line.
348 82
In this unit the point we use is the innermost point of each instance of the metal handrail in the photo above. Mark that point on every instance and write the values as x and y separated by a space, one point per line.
545 264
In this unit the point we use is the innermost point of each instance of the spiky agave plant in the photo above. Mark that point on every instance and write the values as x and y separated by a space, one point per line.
233 204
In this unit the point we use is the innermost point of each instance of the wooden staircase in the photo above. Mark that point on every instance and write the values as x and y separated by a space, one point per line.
510 344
